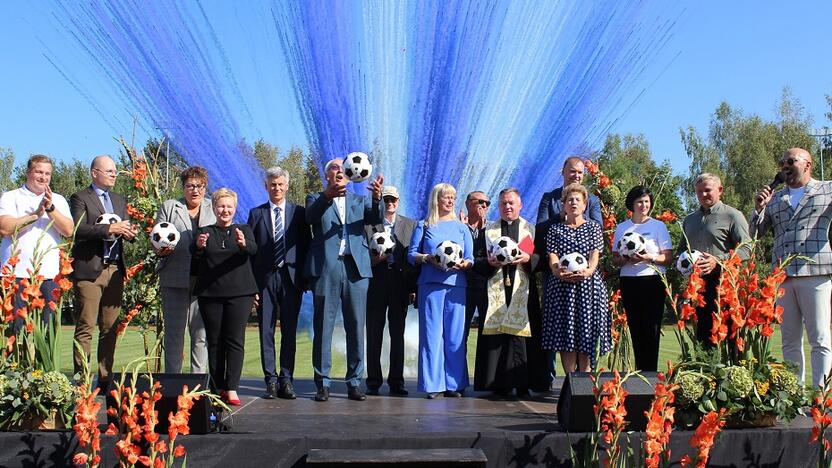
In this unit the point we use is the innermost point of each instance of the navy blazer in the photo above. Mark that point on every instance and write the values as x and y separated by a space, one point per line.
322 215
296 240
88 249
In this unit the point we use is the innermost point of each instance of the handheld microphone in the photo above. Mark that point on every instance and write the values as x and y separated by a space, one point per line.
778 179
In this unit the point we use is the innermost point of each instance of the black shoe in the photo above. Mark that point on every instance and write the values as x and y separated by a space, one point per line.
287 392
452 394
271 391
523 393
356 394
398 390
433 395
372 391
103 386
322 394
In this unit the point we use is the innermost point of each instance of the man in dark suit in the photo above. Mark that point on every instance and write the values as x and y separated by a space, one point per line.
282 237
550 211
392 289
98 264
338 265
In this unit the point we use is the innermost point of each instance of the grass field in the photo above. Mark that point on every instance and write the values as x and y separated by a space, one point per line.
131 348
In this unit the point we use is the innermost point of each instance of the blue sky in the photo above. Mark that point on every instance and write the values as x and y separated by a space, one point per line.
743 52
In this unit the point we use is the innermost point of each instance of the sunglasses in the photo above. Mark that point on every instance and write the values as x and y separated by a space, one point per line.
390 199
481 202
790 161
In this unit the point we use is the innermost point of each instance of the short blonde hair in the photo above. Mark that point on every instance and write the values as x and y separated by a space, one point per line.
223 193
433 202
707 176
572 188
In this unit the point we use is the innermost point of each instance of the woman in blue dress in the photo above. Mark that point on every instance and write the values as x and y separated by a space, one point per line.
576 317
443 364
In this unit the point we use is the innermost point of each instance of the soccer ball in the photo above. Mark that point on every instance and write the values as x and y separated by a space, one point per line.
109 218
381 243
687 260
631 243
357 167
574 262
164 235
504 249
448 253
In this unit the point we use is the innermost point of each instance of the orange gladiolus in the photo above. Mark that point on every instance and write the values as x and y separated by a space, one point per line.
703 437
604 182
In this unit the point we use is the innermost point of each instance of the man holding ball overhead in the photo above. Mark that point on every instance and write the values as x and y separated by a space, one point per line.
338 267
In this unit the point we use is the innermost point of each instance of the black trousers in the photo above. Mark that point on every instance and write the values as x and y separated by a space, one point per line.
643 298
387 300
225 328
704 314
476 300
279 300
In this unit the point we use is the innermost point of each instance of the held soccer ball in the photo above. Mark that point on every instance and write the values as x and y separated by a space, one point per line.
574 262
631 243
448 254
504 249
164 235
381 243
109 218
687 260
357 167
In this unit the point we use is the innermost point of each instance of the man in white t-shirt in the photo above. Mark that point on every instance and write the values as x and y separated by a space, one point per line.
36 219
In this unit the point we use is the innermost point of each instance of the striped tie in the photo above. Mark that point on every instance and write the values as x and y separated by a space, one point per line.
279 248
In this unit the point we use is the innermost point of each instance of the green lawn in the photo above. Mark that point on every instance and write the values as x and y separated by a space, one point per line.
131 347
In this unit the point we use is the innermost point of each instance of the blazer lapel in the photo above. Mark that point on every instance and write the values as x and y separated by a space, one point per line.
811 187
182 211
96 201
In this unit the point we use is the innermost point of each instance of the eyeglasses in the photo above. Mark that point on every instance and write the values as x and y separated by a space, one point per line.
111 172
197 187
790 161
480 201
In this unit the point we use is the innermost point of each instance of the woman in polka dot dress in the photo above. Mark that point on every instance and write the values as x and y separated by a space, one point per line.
576 317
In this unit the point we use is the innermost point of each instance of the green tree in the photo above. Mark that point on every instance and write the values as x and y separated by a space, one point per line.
744 149
6 167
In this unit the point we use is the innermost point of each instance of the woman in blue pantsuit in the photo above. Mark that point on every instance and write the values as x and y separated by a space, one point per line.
443 365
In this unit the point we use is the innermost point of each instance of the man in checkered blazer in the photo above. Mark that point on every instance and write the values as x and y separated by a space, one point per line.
800 215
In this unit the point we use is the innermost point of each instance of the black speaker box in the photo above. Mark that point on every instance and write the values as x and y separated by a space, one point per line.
202 421
575 413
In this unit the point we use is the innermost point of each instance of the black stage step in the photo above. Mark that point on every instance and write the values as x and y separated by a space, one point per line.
421 458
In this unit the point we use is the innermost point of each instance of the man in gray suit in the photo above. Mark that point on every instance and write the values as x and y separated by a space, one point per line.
800 215
392 289
338 266
177 272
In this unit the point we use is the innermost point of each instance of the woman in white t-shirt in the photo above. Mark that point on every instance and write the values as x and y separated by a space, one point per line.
642 291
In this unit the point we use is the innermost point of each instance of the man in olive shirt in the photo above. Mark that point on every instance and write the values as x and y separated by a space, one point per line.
714 229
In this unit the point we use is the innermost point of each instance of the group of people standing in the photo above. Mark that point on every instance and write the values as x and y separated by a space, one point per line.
221 270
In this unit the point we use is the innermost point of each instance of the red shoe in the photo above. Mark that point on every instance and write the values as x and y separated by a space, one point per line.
232 401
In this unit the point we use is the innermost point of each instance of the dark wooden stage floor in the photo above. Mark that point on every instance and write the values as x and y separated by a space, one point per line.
524 433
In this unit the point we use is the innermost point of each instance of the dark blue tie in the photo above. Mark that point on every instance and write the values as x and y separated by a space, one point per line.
279 248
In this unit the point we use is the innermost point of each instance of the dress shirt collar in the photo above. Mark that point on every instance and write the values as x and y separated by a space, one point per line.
282 207
714 209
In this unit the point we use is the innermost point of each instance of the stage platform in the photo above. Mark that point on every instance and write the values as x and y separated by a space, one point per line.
521 433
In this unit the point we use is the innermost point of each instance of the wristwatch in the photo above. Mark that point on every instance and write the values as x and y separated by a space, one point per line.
50 209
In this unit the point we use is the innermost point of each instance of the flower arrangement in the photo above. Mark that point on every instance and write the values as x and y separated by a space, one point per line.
34 393
737 375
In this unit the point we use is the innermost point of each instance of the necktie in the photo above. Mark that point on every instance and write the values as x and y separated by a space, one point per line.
279 248
108 205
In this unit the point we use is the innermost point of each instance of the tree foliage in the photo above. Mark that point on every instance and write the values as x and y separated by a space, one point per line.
744 149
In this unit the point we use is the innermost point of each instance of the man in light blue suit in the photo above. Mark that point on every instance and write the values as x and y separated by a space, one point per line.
338 267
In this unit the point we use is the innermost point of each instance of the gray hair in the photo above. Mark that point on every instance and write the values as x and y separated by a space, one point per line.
331 162
276 171
706 176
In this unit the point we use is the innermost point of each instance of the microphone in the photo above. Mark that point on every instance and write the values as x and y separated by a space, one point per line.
778 179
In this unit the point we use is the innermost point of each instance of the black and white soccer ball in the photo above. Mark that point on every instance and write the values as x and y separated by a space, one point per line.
574 262
109 218
448 254
687 260
164 235
632 243
381 243
504 250
357 167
